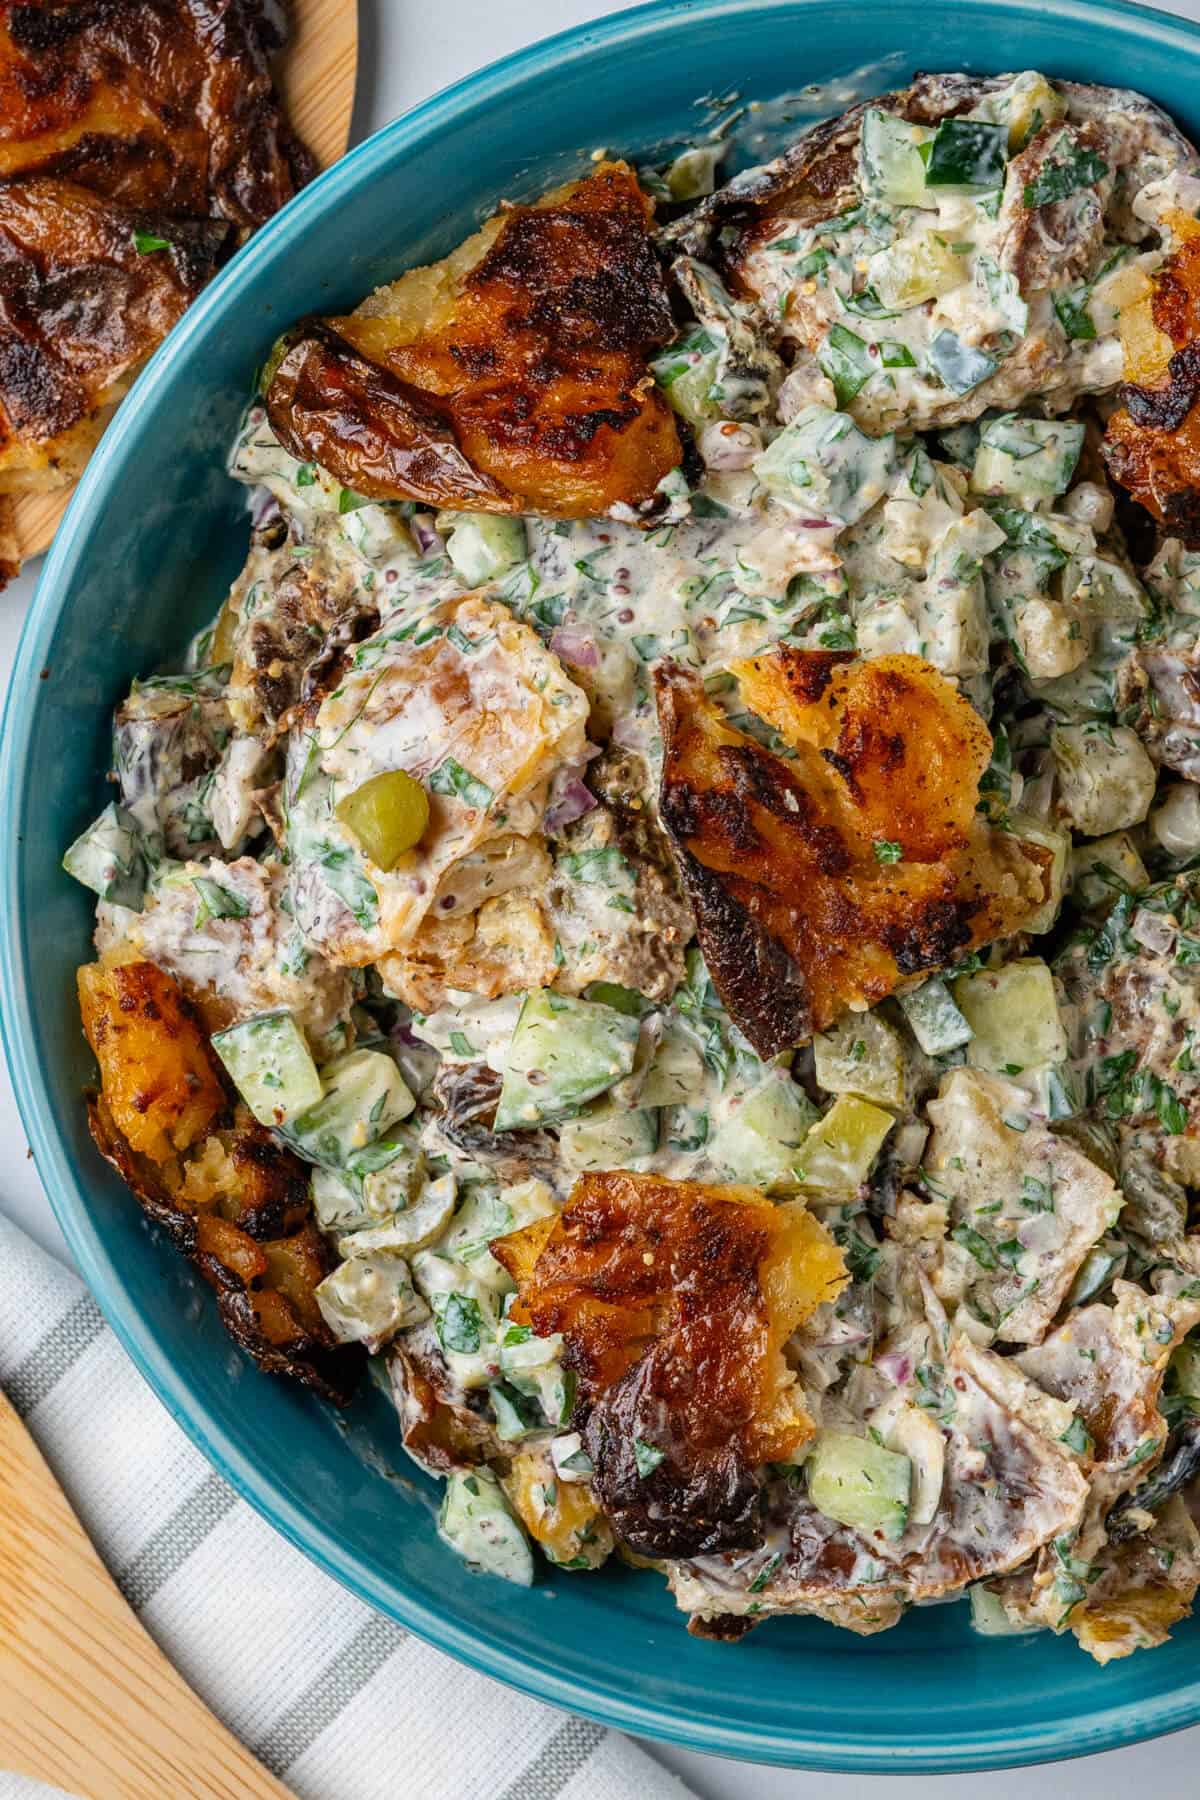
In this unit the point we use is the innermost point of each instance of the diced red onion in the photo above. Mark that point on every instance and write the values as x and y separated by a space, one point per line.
572 803
575 646
895 1366
428 541
263 505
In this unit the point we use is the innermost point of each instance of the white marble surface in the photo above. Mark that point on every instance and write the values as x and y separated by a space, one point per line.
409 49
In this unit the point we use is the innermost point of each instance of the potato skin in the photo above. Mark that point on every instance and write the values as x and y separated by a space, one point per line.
158 1075
1152 444
675 1299
510 378
230 1198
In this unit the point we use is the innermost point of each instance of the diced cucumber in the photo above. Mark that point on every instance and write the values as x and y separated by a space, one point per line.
109 858
1106 780
345 1202
410 1228
1175 820
933 1018
524 1354
1053 1089
960 366
1102 1264
1033 458
916 269
966 156
890 158
482 546
563 1053
837 1155
368 1299
988 1616
488 1213
859 1483
478 1523
609 1137
823 462
861 1055
466 1313
760 1142
1058 842
687 372
1185 1370
1013 1015
378 533
676 1074
270 1065
363 1095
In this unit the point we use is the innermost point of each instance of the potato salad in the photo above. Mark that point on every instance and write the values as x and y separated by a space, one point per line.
662 915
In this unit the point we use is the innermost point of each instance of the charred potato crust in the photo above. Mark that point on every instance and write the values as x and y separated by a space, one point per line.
674 1300
229 1198
798 913
510 378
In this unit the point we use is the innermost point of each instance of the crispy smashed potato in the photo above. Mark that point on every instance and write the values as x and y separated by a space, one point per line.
674 1300
159 1079
82 312
1152 445
511 377
230 1198
828 879
163 104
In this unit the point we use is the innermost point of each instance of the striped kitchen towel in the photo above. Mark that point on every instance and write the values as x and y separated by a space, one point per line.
333 1698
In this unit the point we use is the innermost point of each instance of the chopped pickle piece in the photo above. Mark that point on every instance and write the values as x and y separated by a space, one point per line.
387 814
837 1154
1013 1015
861 1055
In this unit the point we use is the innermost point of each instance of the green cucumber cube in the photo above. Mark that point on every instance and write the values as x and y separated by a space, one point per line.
368 1299
477 1521
270 1065
760 1143
483 546
859 1483
890 159
109 858
363 1094
563 1053
933 1018
1013 1015
609 1137
1034 457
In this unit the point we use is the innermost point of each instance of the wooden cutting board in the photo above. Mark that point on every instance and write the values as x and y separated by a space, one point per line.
316 74
88 1702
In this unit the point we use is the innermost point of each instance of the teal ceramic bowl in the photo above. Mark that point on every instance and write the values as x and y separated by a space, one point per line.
152 538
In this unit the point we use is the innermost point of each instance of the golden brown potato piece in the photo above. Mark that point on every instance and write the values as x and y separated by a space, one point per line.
831 878
1152 445
237 1206
511 377
674 1300
80 311
166 104
156 1071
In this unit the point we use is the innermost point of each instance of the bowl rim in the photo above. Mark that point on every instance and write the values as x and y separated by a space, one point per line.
1102 1728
